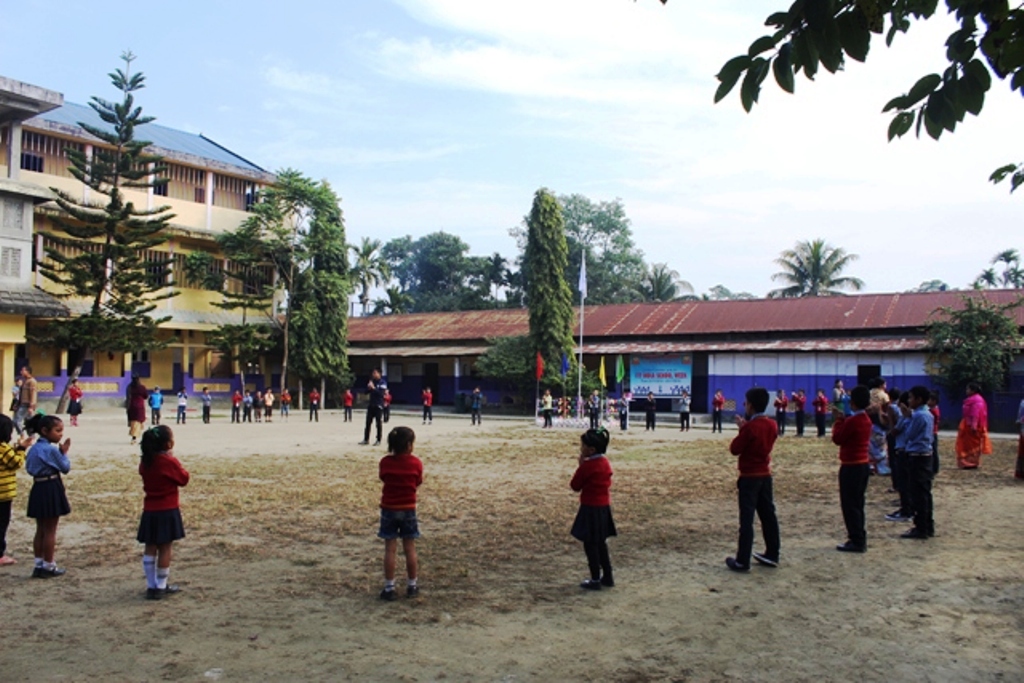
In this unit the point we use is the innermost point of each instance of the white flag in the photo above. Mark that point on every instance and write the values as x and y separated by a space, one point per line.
583 276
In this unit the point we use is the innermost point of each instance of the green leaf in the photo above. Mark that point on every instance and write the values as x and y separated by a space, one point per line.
729 74
751 88
1017 180
762 44
783 69
806 53
978 72
1017 82
818 13
896 103
931 125
920 120
900 124
1000 173
778 19
854 35
924 87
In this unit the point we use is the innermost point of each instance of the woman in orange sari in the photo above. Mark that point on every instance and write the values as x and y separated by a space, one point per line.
972 438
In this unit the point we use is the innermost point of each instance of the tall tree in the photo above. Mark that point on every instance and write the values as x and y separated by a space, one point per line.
497 272
396 301
974 342
319 301
1011 275
661 283
548 296
106 252
369 269
723 293
810 33
813 268
437 273
931 286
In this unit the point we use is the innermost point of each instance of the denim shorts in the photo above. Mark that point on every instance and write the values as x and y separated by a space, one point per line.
398 524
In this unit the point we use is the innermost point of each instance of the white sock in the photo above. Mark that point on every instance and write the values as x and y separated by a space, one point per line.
412 583
49 565
149 567
389 584
161 577
38 563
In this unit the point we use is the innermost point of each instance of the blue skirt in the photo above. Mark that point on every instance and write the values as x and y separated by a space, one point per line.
48 499
160 527
593 524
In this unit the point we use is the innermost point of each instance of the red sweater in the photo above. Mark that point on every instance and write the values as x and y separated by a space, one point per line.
402 475
160 481
781 404
821 405
799 402
852 435
754 445
718 403
428 398
936 415
593 479
348 398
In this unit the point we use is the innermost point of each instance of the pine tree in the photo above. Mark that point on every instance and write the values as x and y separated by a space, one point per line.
548 296
105 252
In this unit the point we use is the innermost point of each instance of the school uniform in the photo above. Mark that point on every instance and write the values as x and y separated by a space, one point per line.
753 444
161 515
919 471
594 524
852 435
45 463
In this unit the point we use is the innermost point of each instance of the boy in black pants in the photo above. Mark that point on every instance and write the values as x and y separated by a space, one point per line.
919 464
852 434
754 445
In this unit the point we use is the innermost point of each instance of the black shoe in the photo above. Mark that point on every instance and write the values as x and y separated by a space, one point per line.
44 573
412 591
914 533
764 560
591 585
170 590
154 594
387 594
851 547
732 564
607 582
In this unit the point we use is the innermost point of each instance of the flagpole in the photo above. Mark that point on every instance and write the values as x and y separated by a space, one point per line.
583 298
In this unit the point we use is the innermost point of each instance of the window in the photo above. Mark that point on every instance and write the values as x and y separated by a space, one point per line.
31 162
160 189
200 195
10 262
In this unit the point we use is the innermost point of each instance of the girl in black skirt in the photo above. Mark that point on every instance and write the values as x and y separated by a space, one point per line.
47 503
594 524
162 476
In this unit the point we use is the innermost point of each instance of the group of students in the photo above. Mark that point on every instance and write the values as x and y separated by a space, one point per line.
911 425
245 406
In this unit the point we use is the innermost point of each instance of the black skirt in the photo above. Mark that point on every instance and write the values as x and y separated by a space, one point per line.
593 524
160 527
47 499
75 408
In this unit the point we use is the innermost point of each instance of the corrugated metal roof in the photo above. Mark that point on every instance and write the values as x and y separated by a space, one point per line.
810 345
162 137
415 351
819 316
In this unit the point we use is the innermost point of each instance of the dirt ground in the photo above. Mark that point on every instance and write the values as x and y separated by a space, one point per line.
281 568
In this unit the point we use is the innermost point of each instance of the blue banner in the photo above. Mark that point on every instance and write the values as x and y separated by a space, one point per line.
662 375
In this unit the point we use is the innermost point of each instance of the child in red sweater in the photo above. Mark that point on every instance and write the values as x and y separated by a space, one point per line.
161 524
594 523
754 445
402 474
852 434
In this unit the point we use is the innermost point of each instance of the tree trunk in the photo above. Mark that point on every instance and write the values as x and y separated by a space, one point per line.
323 393
301 394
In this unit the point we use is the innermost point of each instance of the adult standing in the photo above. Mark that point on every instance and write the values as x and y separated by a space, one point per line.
650 411
972 440
475 402
375 408
717 407
137 395
684 411
594 409
840 397
546 405
27 397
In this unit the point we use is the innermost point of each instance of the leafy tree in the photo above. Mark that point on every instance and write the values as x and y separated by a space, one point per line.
931 286
497 272
810 33
397 301
104 255
1012 275
661 283
723 293
601 230
975 342
812 268
547 293
437 273
369 269
319 301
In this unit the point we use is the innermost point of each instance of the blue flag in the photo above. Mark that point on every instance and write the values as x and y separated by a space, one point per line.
565 365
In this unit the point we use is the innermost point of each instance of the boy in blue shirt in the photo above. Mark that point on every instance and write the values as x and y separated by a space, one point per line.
918 434
156 402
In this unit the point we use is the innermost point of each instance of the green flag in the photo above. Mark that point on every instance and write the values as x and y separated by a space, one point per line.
620 369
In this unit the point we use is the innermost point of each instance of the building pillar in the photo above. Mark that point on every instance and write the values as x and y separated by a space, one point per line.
384 368
209 199
458 373
14 151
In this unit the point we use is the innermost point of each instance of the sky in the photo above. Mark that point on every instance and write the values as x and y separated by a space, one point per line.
428 115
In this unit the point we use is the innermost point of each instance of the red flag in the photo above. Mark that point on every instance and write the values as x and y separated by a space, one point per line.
540 366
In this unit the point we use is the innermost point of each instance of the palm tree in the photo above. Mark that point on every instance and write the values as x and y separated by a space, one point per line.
661 283
1012 275
369 270
931 286
497 269
813 269
396 301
